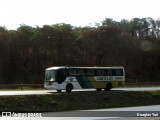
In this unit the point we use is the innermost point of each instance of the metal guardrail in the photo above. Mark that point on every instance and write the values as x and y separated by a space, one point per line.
143 84
21 86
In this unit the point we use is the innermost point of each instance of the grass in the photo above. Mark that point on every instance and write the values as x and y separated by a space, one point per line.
78 101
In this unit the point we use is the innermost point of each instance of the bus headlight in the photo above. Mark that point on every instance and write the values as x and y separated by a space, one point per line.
52 80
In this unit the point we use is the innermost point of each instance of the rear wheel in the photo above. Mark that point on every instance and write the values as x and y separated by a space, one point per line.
98 89
108 86
69 87
59 90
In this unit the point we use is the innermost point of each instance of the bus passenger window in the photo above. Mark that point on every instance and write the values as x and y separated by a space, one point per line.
109 72
81 72
91 72
119 72
100 72
72 72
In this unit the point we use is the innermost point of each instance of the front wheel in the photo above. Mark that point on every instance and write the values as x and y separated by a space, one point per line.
69 87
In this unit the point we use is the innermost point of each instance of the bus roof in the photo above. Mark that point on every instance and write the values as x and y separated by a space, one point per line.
55 68
64 67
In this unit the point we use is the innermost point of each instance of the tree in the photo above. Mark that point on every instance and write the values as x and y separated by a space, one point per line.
99 42
24 45
136 25
25 53
4 51
158 28
125 27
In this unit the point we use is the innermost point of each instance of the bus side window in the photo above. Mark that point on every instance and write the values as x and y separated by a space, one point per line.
109 72
119 72
90 72
61 76
81 72
100 72
72 72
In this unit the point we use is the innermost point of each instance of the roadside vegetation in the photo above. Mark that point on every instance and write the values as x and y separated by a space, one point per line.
78 101
26 52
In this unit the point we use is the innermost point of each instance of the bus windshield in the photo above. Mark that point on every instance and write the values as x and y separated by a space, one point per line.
50 75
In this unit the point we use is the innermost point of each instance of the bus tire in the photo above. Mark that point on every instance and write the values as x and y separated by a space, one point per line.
108 86
69 87
98 89
59 90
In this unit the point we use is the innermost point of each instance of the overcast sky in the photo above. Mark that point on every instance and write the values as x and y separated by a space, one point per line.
74 12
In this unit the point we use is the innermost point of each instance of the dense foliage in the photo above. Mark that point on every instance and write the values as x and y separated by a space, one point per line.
26 52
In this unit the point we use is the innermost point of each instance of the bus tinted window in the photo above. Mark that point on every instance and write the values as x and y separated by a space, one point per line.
62 73
72 72
109 72
90 72
81 72
100 72
119 72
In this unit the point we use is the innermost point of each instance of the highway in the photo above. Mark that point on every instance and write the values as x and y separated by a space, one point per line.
127 113
114 112
37 92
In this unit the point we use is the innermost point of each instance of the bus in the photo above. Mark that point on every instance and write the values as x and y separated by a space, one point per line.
69 78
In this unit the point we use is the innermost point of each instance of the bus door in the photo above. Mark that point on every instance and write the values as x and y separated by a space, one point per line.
61 76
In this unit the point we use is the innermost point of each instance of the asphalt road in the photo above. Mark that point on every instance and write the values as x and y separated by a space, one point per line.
143 111
127 113
36 92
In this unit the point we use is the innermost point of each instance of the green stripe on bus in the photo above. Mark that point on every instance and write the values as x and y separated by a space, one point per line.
88 82
92 80
81 82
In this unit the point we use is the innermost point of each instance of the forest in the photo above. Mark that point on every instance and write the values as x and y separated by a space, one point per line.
26 52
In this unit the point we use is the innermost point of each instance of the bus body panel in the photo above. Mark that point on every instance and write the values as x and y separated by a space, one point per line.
62 86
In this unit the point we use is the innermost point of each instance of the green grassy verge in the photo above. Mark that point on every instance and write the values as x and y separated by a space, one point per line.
78 101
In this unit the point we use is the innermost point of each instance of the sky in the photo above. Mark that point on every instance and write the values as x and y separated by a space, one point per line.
14 13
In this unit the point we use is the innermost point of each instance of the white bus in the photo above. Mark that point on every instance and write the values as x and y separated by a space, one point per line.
68 78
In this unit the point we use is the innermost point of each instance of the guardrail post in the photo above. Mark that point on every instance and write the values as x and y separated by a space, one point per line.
139 84
21 86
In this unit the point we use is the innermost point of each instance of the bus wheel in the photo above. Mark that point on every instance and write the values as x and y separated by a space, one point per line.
69 87
108 86
98 89
58 90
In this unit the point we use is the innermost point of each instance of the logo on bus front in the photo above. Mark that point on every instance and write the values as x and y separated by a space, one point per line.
104 78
